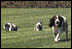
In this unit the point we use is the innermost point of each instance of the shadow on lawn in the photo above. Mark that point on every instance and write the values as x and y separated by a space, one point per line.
63 40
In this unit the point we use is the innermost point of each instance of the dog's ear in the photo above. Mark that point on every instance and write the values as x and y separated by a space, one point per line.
51 22
61 21
61 18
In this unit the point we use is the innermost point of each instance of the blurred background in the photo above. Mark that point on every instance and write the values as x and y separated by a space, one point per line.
35 4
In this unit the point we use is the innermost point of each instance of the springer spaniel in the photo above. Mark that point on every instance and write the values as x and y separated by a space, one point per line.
58 24
10 27
38 26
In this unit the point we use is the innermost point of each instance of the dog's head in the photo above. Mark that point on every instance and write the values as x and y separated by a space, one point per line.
56 21
6 26
39 25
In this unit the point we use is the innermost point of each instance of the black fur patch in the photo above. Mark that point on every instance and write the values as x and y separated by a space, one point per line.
14 28
40 27
52 21
61 21
7 27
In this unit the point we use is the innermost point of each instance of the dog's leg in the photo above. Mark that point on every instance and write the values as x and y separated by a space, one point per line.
54 32
9 29
37 29
66 35
56 39
66 31
57 36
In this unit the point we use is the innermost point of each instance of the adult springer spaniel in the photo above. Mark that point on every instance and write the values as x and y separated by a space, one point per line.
38 26
59 24
10 27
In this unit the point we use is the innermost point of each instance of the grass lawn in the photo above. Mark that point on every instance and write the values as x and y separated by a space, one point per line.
26 37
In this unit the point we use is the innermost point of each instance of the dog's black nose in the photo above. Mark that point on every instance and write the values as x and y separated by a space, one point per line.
57 22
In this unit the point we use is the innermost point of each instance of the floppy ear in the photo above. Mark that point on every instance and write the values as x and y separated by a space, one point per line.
61 21
51 22
61 18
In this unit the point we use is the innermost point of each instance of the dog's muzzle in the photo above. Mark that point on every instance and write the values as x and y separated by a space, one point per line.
57 22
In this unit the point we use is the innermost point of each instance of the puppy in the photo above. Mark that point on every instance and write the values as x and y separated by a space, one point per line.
58 24
10 27
38 26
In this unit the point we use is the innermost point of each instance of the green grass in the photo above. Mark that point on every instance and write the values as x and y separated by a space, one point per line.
26 37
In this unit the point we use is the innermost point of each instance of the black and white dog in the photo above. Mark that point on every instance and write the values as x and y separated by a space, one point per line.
10 27
58 24
38 26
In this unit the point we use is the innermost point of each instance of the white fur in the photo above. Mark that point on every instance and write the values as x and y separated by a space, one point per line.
14 25
10 26
57 20
38 24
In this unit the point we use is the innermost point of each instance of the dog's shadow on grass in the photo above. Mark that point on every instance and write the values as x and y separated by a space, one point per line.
64 40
